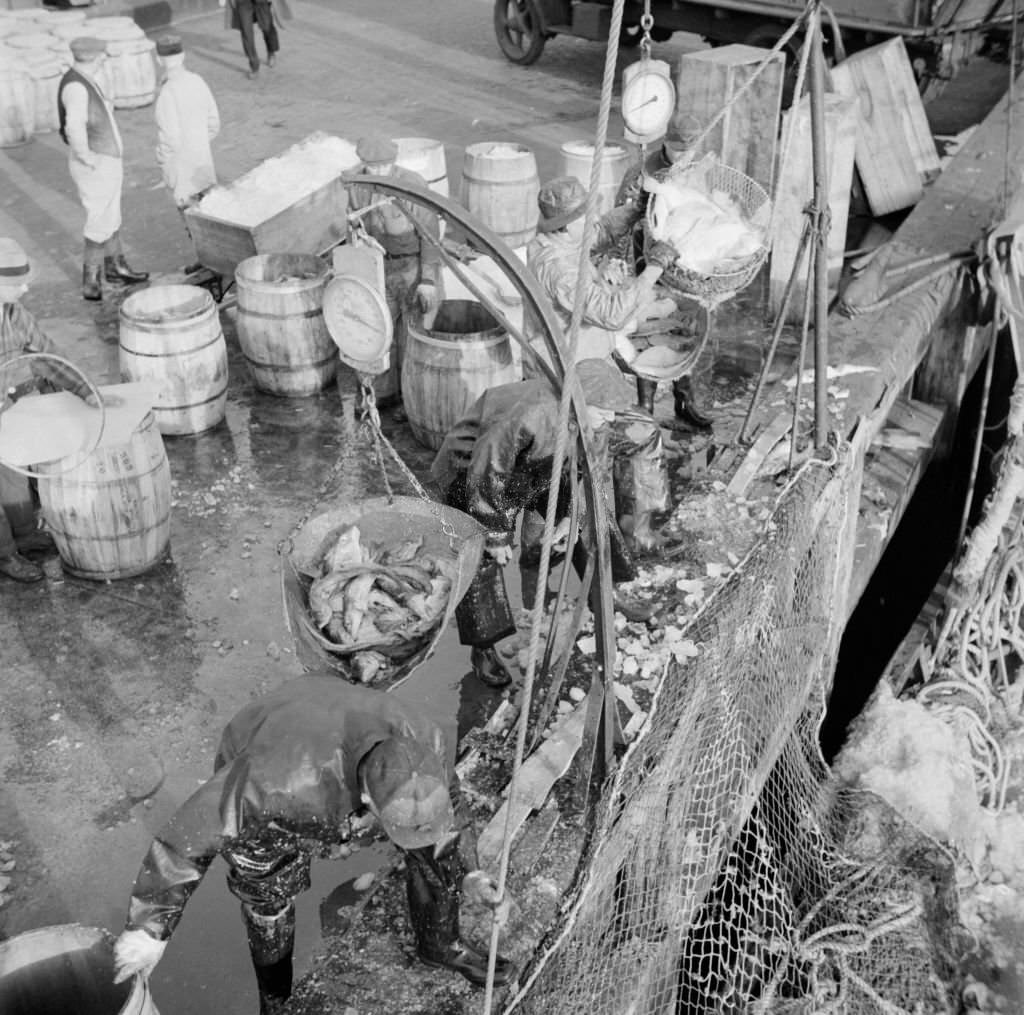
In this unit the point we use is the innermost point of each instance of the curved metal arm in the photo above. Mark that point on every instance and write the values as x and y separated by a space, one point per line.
535 301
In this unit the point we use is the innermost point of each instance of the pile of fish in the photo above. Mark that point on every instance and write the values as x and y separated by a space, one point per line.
705 224
367 596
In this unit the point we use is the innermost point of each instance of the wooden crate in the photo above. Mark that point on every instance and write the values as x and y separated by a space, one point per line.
310 226
746 137
895 150
796 187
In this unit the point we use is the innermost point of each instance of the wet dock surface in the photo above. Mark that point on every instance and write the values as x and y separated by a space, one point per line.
114 694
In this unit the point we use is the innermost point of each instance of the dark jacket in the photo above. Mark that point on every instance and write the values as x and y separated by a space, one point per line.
504 446
99 125
285 778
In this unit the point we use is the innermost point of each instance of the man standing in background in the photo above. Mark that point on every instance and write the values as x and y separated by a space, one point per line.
187 120
88 128
244 15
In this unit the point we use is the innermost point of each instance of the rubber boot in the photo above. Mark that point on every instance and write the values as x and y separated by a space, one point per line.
92 268
433 887
645 392
489 667
271 937
689 403
20 568
115 267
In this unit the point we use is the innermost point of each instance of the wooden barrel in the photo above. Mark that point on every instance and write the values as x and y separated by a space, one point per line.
170 335
425 156
281 325
30 39
445 369
577 158
130 72
500 186
17 106
68 968
46 73
111 515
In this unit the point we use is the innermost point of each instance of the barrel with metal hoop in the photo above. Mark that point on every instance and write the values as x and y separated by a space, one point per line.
716 287
453 539
281 325
67 968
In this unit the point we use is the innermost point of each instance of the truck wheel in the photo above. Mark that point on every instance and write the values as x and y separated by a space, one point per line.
517 27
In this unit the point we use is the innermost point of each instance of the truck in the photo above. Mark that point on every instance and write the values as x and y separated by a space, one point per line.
940 35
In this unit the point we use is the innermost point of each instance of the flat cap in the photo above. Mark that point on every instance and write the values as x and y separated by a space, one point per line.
87 47
168 45
560 201
375 148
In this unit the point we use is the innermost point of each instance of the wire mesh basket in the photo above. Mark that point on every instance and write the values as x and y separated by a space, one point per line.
736 274
382 521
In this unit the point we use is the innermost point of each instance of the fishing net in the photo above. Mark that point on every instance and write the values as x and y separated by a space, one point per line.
728 871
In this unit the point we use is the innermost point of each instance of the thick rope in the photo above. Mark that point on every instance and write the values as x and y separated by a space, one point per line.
569 382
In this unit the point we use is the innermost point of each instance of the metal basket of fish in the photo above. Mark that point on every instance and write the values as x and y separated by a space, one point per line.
742 206
369 588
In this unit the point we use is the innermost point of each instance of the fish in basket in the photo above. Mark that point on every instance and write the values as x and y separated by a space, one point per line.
370 587
717 219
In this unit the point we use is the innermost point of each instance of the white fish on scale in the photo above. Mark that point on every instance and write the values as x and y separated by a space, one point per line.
707 230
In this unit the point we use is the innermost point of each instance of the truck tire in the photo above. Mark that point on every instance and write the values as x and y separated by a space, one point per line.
517 26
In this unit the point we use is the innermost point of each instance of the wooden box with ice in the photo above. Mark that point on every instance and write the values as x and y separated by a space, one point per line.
292 203
370 587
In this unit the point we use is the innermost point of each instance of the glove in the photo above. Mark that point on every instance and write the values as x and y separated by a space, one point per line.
426 297
135 951
501 555
480 888
661 254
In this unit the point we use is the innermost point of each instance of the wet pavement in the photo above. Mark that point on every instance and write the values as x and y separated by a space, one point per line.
114 694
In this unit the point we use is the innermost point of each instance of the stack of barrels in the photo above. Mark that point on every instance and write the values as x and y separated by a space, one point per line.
35 52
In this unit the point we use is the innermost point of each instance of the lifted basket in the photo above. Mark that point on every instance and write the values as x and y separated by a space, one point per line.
717 287
380 521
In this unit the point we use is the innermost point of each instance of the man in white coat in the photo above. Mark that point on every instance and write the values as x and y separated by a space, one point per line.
187 120
88 128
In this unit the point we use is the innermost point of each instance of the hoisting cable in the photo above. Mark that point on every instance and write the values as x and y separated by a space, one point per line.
569 381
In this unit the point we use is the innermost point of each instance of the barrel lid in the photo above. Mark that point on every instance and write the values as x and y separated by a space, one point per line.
359 322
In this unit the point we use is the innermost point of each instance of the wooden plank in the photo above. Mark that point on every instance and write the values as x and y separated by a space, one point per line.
746 138
536 777
884 157
916 128
795 190
767 439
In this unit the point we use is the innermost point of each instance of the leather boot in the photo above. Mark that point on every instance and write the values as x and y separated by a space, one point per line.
688 405
433 888
92 288
20 568
489 667
116 269
645 392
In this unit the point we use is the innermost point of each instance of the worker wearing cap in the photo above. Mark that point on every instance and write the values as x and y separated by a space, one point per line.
412 267
88 128
496 462
611 305
292 769
631 201
187 120
21 334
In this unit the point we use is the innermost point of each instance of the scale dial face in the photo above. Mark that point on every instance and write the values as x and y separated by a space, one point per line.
359 322
648 101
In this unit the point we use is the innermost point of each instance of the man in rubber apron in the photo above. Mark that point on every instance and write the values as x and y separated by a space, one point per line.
496 462
293 770
412 267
